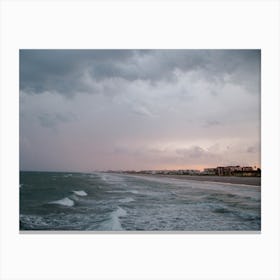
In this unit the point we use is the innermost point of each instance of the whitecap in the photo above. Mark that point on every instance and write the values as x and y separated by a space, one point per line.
64 202
116 191
124 191
80 193
134 191
114 222
112 179
126 200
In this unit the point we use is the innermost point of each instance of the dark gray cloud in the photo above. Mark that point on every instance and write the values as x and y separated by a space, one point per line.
62 70
144 108
71 71
52 120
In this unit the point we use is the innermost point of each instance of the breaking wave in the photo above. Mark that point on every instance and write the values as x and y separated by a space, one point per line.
126 200
80 193
64 202
126 191
113 223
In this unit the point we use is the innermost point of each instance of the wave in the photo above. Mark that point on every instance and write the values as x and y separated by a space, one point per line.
80 193
113 223
141 192
32 222
64 202
112 179
116 224
134 191
222 210
126 200
127 191
116 191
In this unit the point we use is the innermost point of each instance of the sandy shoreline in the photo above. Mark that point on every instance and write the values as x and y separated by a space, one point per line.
252 181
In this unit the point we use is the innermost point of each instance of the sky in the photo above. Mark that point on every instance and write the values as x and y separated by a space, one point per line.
87 110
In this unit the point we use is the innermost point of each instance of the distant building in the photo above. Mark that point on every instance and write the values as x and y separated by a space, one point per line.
227 170
221 171
237 171
247 168
209 171
234 170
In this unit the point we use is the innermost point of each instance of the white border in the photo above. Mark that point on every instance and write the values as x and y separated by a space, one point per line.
156 24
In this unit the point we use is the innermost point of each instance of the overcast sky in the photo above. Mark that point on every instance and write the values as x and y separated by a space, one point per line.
84 110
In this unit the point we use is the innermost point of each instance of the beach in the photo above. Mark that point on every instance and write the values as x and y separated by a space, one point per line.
252 181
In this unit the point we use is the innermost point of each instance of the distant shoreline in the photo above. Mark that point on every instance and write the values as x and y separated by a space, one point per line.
252 181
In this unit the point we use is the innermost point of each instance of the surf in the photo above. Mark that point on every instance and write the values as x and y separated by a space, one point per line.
126 200
80 193
113 223
64 202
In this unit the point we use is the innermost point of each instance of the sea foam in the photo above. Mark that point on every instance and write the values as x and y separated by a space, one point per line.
113 223
80 193
124 191
126 200
64 202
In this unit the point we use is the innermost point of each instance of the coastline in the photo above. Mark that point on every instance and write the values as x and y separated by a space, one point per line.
251 181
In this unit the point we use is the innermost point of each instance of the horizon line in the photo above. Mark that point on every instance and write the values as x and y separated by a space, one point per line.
137 170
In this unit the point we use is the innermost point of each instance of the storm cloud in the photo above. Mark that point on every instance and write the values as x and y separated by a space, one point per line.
119 109
71 71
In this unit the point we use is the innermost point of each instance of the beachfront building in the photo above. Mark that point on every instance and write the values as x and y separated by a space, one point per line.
234 170
247 168
228 170
209 171
237 171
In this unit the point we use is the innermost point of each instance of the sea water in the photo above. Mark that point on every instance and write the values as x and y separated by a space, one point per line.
118 202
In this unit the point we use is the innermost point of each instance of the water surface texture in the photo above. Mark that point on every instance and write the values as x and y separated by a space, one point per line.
116 202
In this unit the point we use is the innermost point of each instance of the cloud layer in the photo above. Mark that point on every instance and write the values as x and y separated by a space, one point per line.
133 109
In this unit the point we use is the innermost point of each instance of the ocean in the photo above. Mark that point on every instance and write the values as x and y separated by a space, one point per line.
56 201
